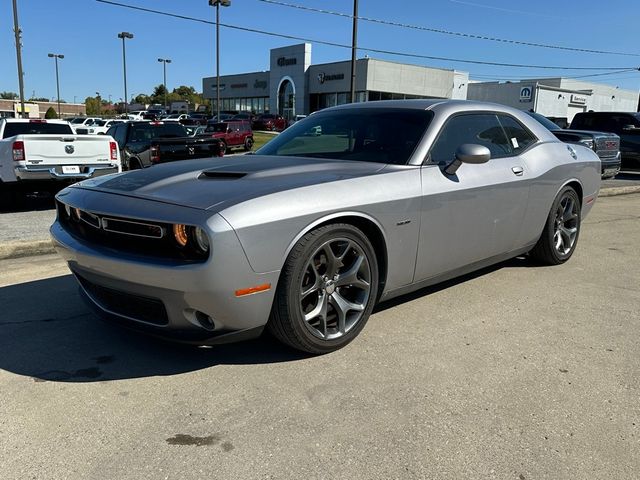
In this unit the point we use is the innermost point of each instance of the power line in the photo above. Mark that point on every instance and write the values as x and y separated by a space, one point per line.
333 44
519 77
448 32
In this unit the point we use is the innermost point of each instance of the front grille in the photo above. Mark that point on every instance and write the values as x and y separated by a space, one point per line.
141 238
136 307
607 147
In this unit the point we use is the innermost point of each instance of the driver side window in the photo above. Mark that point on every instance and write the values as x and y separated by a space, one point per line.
479 129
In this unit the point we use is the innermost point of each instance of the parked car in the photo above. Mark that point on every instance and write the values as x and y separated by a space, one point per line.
624 124
245 116
82 125
232 134
195 119
154 114
46 154
136 115
175 117
269 121
606 145
143 144
100 127
308 234
223 118
193 130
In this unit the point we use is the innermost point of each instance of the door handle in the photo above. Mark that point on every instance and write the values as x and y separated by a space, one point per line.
517 171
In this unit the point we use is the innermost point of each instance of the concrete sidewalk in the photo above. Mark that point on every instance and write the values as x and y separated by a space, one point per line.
25 234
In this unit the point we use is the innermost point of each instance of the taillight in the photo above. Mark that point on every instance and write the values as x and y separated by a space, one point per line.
113 151
155 154
18 151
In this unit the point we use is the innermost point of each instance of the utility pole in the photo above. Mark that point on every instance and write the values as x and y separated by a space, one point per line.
354 48
18 33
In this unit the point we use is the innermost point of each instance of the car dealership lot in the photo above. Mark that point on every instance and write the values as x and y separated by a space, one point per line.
514 372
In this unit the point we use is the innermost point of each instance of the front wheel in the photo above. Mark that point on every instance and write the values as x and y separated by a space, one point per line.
327 290
560 234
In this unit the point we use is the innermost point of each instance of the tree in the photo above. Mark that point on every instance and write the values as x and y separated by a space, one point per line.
8 95
51 113
39 99
92 104
143 99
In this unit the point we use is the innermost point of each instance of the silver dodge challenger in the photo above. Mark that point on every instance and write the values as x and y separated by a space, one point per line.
349 207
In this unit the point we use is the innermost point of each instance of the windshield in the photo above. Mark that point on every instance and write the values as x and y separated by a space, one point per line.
149 131
217 127
35 128
544 121
383 135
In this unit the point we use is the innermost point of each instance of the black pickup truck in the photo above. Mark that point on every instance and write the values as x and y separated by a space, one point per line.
606 145
143 144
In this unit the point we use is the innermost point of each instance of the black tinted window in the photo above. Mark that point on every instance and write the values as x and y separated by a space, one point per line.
519 137
478 129
149 131
381 135
35 128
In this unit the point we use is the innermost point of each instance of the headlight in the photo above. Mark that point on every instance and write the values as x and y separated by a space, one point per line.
587 143
202 240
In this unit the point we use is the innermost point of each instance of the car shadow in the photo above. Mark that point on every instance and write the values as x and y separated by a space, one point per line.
518 262
29 202
48 333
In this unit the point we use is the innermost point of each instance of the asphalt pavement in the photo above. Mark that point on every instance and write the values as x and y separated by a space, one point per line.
515 372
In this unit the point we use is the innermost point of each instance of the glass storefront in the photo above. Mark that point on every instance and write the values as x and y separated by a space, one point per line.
254 104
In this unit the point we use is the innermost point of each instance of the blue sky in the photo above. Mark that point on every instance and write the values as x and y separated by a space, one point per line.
85 32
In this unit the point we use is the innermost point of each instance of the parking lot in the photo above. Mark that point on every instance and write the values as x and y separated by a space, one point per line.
515 372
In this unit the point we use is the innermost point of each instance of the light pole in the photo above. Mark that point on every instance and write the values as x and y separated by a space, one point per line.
57 56
123 36
164 77
217 3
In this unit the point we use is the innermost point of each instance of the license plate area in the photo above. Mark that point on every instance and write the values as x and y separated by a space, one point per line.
70 169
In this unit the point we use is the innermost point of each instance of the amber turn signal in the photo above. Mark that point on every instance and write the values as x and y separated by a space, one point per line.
257 289
180 234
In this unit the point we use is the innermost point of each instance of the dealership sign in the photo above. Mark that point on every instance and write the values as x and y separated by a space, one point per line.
284 62
323 77
579 99
526 93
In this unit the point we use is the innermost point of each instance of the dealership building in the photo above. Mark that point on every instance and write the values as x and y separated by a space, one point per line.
294 86
556 97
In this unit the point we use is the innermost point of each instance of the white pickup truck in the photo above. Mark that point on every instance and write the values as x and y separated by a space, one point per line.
41 154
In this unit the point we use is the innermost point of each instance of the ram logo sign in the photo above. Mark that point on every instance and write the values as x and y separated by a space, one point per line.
526 93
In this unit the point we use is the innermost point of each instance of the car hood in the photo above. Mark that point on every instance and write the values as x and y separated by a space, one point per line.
220 183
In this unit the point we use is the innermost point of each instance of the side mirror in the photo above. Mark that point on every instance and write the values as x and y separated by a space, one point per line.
630 128
468 153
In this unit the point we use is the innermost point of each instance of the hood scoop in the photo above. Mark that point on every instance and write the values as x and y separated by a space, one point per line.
220 175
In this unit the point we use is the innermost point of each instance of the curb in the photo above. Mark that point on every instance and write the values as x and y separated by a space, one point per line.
614 191
45 247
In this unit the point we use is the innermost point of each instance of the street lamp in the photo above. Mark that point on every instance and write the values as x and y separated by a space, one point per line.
217 3
57 56
164 77
123 36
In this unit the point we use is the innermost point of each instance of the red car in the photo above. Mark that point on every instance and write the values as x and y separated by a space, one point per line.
269 121
231 133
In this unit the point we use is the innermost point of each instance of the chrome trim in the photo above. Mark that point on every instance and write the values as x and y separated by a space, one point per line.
106 220
25 172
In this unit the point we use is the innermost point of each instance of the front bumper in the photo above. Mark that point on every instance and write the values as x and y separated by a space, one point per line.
610 166
37 173
169 299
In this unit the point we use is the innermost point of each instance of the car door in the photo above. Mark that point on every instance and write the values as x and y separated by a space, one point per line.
477 213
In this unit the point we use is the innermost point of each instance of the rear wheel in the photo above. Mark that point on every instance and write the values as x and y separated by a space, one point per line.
248 144
135 164
223 147
560 234
327 290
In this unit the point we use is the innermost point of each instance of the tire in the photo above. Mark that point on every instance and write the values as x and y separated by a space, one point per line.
223 147
248 144
327 290
135 164
561 230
